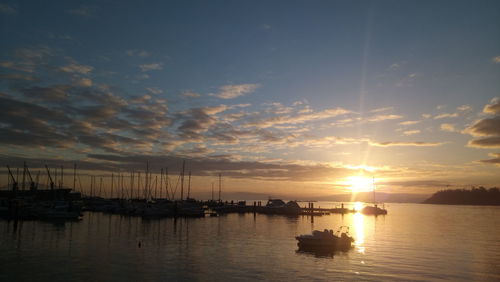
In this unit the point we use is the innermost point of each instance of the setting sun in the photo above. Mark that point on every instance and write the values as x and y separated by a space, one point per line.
359 183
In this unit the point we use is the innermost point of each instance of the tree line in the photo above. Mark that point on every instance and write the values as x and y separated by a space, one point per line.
474 196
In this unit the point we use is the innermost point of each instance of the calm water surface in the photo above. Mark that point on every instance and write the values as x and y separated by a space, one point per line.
413 242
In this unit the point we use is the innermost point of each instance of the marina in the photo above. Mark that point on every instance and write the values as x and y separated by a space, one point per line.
59 203
261 247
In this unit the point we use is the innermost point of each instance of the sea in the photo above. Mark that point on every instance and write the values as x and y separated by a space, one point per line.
413 242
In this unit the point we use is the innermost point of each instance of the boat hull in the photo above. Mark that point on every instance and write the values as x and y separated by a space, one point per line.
332 243
369 210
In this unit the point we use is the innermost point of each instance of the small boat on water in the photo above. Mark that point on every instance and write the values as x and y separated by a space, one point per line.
327 239
373 210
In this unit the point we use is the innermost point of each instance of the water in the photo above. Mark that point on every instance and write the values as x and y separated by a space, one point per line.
413 242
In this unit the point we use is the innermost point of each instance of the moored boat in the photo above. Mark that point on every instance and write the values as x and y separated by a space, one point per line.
373 210
340 240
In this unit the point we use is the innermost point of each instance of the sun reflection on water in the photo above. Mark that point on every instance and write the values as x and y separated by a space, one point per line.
359 226
358 206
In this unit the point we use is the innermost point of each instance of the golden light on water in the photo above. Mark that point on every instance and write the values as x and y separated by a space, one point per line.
359 226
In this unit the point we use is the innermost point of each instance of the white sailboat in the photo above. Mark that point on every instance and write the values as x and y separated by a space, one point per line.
375 209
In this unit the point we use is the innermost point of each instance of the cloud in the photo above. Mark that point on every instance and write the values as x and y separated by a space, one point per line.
82 115
28 59
496 59
235 90
488 128
212 165
347 122
464 108
485 127
17 76
198 120
411 132
77 68
297 118
448 127
84 82
154 90
488 142
378 118
495 160
150 67
27 124
394 66
31 139
47 94
461 110
382 110
493 107
400 144
190 94
7 10
409 122
446 115
416 183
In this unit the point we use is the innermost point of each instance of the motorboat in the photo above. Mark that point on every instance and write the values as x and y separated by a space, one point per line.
326 239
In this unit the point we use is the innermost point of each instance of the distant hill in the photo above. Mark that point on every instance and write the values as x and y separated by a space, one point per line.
474 196
379 197
361 197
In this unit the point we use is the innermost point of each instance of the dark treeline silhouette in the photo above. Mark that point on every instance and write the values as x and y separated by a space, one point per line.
474 196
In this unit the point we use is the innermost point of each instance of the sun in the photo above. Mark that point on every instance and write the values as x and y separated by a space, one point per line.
359 183
358 206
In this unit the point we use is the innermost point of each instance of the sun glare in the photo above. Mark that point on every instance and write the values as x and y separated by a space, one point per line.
358 206
360 183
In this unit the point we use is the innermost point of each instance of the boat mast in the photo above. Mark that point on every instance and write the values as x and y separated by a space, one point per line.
100 188
166 183
182 179
61 183
74 177
122 187
91 186
138 184
189 185
14 182
131 184
50 178
156 184
161 181
112 180
220 183
374 190
147 183
33 185
24 175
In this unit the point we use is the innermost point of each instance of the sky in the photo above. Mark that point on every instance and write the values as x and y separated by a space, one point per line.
294 98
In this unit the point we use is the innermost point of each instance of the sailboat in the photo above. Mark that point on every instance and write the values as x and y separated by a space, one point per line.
375 209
